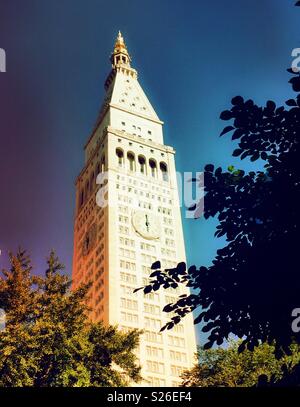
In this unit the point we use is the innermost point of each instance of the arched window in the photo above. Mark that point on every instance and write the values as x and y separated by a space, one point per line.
142 164
120 155
164 171
153 167
131 161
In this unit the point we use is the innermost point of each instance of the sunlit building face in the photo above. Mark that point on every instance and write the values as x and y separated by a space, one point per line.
116 244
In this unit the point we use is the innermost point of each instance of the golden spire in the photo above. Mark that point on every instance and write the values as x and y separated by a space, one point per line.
120 54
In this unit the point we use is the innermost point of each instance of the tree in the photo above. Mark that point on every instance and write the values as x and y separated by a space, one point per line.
48 340
17 363
227 367
253 284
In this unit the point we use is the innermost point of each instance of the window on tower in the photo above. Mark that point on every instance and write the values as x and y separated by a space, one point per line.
120 156
164 171
153 167
142 164
131 161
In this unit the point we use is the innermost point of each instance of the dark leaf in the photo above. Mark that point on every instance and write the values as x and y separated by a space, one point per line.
226 115
168 308
147 289
237 134
156 265
207 345
245 154
271 105
237 152
237 100
226 130
255 156
156 286
138 289
209 168
181 267
291 102
263 155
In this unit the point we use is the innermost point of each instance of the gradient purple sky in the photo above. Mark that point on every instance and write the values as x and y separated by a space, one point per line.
192 56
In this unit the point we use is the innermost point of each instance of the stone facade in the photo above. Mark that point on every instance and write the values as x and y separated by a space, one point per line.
115 245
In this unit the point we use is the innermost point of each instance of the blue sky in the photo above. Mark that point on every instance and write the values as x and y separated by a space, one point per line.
192 56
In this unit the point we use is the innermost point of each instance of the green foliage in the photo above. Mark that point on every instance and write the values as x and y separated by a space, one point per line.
227 367
48 339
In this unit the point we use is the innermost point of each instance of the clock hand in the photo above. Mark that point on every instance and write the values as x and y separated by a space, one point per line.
147 223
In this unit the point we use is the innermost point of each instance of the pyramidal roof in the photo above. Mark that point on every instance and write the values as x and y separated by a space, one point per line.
127 93
123 90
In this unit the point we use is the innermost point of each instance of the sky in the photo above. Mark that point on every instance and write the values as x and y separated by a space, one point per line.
192 56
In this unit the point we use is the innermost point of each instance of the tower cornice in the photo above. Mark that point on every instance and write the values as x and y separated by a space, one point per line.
111 105
130 137
123 69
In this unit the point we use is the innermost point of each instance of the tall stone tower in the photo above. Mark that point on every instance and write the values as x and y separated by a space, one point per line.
116 244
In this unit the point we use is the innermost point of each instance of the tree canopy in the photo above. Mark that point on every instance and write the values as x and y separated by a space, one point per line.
227 367
48 340
253 283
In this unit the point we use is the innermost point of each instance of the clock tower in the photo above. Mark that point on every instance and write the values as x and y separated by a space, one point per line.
127 217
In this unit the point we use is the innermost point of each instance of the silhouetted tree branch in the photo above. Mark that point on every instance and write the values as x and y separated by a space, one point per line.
253 285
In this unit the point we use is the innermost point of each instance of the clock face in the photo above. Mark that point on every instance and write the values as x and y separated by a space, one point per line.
146 224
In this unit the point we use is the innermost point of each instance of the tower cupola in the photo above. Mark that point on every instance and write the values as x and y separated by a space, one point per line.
120 55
